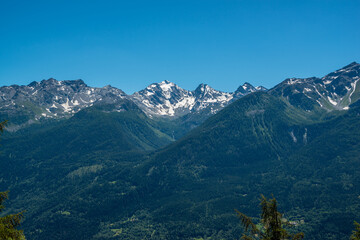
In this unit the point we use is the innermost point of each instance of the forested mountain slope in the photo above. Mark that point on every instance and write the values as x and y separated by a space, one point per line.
98 178
311 167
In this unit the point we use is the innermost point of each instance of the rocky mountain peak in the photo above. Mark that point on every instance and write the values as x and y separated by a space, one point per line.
167 82
203 89
161 98
261 88
52 98
350 70
335 91
168 99
50 81
350 66
248 87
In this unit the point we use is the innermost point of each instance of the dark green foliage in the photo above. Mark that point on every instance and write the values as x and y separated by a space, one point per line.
10 223
356 233
220 140
272 223
92 130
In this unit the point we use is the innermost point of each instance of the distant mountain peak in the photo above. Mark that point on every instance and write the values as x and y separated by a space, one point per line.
168 99
348 68
166 82
353 64
202 88
48 82
335 91
51 98
54 82
247 88
261 88
246 84
54 99
166 85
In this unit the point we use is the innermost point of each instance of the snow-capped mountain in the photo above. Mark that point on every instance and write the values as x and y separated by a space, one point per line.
168 99
55 99
335 91
163 99
51 98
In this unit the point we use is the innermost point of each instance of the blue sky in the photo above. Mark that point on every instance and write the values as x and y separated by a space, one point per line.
131 44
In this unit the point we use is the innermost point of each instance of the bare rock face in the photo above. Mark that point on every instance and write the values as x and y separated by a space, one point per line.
335 91
56 99
168 99
52 99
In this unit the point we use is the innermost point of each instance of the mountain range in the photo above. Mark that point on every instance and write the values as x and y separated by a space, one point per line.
167 163
56 99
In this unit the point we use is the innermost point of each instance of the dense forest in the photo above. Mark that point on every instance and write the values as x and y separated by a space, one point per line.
189 188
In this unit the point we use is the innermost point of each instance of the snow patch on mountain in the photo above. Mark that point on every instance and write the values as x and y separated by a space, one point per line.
335 91
168 99
54 99
353 88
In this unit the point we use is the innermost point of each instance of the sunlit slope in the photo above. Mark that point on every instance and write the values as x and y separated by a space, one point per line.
260 145
256 128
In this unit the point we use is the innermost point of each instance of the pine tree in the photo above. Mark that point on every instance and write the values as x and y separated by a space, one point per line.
356 233
9 223
271 221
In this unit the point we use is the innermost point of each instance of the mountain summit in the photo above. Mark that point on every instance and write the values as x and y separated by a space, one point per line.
335 91
51 99
168 99
56 99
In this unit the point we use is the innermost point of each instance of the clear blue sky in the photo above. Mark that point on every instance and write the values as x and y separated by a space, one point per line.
130 44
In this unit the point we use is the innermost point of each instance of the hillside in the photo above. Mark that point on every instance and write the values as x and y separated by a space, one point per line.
112 172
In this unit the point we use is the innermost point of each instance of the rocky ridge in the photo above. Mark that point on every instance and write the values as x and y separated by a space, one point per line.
168 99
335 91
56 99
